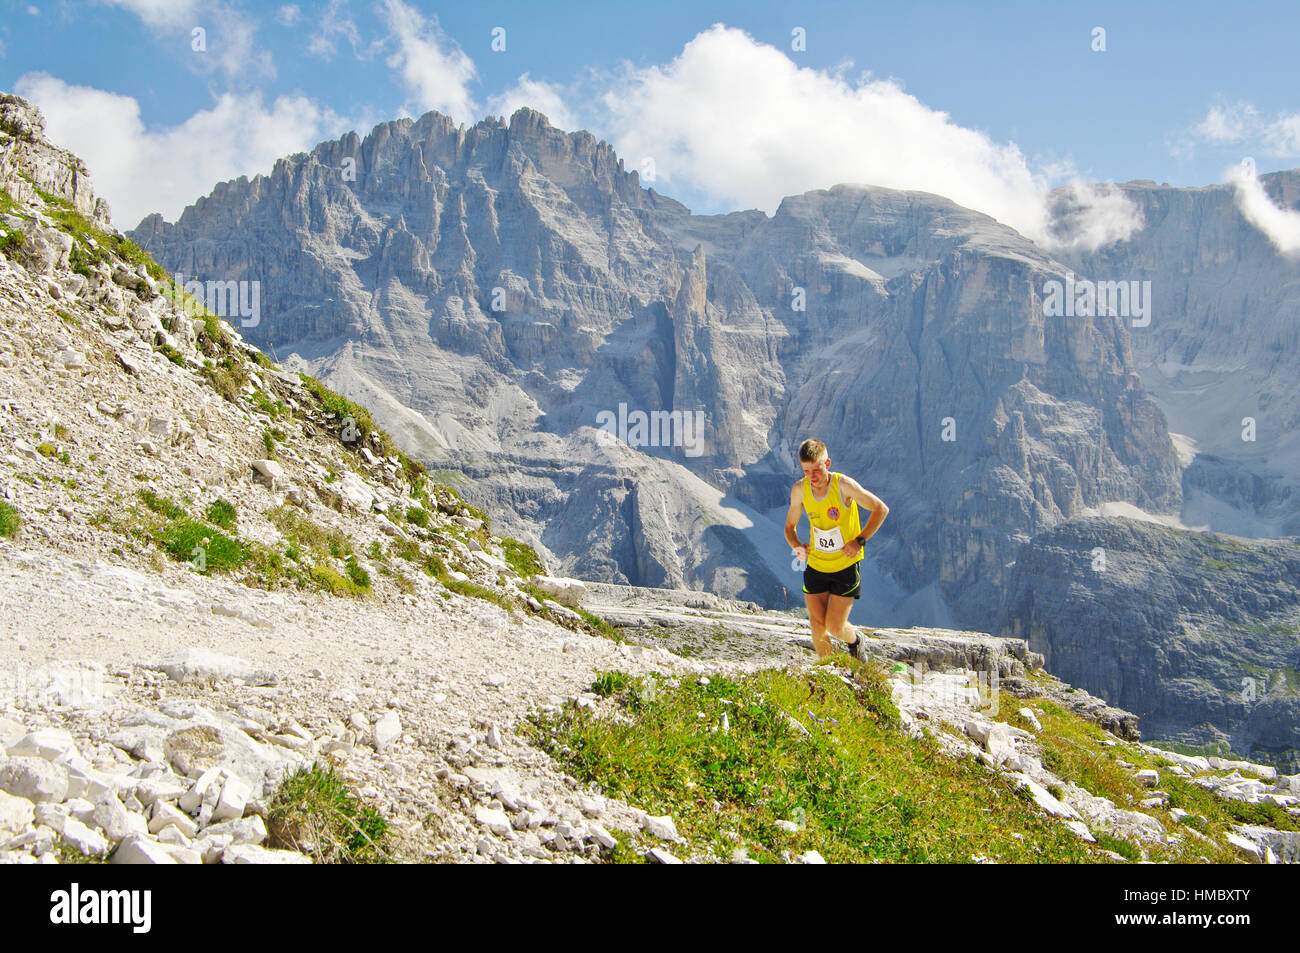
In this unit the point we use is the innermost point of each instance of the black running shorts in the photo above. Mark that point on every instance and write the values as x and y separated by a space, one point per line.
846 582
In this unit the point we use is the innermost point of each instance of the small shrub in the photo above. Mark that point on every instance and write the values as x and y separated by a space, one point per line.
227 377
417 515
11 242
169 352
610 683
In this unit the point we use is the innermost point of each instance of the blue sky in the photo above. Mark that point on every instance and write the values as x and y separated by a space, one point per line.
988 103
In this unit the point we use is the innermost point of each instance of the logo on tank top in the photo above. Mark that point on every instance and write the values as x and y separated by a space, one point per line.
833 512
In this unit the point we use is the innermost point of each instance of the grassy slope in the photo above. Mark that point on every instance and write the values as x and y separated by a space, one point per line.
857 787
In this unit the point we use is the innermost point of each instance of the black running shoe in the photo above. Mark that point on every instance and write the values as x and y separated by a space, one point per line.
855 648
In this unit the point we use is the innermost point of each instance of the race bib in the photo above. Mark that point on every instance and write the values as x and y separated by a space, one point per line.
827 540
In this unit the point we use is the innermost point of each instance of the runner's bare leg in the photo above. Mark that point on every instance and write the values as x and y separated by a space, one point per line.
837 618
816 602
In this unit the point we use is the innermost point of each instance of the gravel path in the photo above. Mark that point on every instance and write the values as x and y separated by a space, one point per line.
459 673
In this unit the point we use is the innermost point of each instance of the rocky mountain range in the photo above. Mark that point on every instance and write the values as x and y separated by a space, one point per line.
492 291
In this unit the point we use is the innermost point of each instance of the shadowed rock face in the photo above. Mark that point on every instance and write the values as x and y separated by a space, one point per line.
1198 634
509 283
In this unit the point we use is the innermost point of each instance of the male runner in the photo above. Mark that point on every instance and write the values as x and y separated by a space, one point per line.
832 579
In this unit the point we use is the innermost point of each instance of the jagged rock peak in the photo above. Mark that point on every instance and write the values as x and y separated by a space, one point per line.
29 161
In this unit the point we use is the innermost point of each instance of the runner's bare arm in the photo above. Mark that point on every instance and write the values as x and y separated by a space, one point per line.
792 519
852 490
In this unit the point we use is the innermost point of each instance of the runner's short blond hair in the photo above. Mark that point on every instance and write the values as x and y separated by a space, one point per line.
812 451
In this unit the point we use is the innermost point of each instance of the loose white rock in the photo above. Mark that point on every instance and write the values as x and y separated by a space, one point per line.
48 743
663 827
34 779
16 813
138 849
387 730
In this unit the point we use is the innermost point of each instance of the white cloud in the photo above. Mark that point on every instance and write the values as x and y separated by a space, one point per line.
747 126
141 170
334 24
1228 123
1241 124
162 15
1282 226
288 15
230 35
1086 216
1282 136
546 98
435 71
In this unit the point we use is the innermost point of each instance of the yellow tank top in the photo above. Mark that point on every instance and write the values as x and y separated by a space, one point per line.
833 525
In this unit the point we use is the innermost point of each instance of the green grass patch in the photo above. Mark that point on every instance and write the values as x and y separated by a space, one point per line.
302 532
858 788
1126 849
1072 749
11 241
358 576
160 505
522 558
205 547
272 408
409 550
362 423
221 513
475 591
314 812
599 624
417 515
335 583
10 520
